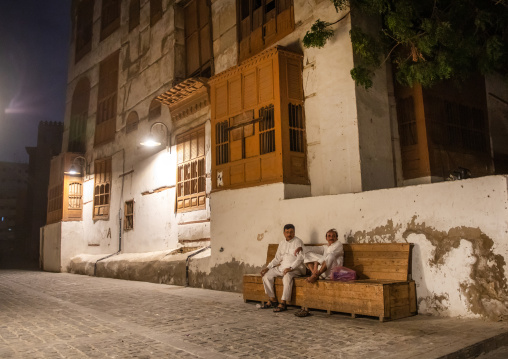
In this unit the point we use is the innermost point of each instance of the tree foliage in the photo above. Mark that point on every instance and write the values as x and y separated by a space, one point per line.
426 40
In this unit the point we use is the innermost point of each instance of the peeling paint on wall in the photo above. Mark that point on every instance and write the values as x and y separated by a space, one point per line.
487 292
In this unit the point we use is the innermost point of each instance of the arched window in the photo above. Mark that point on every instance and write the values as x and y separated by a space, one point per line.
79 115
84 22
133 14
132 122
155 110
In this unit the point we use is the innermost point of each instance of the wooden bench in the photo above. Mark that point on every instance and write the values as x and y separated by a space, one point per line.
384 287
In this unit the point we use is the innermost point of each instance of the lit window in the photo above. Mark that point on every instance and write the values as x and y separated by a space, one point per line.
191 176
102 189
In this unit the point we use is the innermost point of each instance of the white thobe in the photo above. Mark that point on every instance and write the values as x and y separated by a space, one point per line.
284 258
332 255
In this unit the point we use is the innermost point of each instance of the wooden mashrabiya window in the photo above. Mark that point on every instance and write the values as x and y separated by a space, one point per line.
258 129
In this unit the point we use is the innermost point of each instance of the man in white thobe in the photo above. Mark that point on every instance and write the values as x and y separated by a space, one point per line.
322 259
286 264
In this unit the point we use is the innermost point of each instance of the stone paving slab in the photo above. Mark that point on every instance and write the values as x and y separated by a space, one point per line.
57 315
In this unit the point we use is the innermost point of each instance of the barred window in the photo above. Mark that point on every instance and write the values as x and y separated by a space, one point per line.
191 175
266 130
102 189
75 195
221 143
296 128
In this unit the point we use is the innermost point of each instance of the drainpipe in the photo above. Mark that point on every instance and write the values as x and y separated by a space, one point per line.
119 243
187 264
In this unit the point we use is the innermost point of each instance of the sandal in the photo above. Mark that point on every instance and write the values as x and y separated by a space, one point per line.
280 308
302 313
268 305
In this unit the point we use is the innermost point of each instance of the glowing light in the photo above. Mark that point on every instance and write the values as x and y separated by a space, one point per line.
150 142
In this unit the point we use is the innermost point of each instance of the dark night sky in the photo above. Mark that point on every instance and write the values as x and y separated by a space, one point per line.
34 43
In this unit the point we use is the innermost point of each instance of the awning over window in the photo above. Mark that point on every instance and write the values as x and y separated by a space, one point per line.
186 97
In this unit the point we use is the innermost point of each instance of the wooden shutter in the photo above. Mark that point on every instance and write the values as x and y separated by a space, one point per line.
79 116
155 11
102 188
107 100
110 17
84 29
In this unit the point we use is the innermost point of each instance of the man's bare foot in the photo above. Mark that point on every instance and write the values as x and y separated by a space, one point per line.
313 278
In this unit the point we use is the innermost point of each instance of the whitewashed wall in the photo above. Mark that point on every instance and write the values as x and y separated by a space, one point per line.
459 230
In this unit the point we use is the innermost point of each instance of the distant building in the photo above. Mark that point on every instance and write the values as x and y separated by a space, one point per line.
13 196
49 144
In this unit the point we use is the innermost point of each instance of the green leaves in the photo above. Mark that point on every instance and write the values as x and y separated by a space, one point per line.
318 35
426 40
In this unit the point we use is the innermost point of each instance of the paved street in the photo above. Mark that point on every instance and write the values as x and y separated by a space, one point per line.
48 315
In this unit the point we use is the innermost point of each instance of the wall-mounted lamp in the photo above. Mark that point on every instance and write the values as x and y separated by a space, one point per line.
151 141
75 169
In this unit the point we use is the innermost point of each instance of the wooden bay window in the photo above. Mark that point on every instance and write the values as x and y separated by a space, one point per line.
262 23
258 128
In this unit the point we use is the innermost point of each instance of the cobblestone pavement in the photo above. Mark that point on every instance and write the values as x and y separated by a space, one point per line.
53 315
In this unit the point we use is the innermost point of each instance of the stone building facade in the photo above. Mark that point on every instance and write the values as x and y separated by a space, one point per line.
254 131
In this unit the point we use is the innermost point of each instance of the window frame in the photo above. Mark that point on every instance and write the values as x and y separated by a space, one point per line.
185 180
128 214
134 14
102 178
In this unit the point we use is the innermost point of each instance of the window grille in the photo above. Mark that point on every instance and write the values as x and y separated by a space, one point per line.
221 143
102 188
296 128
262 23
457 126
55 202
75 195
266 130
191 171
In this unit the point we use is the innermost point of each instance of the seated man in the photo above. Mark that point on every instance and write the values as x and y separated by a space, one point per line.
321 259
286 264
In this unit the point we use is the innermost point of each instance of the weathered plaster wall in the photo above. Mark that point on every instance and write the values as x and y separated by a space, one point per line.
459 230
150 62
